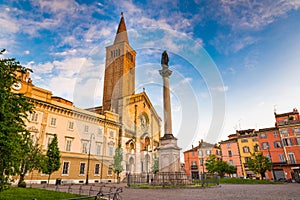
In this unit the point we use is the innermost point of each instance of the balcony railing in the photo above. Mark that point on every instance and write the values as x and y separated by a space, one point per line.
194 167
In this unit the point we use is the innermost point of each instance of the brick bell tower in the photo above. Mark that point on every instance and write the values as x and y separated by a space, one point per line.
119 78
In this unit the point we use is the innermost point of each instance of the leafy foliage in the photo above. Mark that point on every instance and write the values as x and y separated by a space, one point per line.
32 158
155 167
259 164
118 158
214 165
14 109
52 161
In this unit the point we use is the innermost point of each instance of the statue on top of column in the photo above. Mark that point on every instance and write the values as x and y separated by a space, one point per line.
165 58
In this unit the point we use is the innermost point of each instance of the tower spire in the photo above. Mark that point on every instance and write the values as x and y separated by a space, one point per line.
121 35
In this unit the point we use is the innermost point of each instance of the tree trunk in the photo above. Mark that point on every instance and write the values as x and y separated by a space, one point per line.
262 176
49 178
118 177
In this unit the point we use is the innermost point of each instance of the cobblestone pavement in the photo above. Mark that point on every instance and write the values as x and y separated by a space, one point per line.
225 191
289 191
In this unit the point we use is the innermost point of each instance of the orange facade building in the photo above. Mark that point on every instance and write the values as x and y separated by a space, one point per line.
195 158
231 154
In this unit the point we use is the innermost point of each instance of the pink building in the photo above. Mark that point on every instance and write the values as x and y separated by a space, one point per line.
231 154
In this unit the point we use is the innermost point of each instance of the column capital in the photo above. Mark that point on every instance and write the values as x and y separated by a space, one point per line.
165 72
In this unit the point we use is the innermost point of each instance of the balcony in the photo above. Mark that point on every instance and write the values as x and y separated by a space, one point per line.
194 167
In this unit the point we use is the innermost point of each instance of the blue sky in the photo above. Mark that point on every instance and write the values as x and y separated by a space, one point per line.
233 61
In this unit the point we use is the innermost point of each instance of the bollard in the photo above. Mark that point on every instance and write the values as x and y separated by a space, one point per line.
128 180
90 190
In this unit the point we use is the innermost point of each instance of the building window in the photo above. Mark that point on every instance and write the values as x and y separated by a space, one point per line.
275 134
263 135
229 153
71 125
53 121
246 149
246 159
284 133
208 152
34 117
281 158
230 162
100 131
193 153
292 158
97 169
66 166
82 168
277 144
194 163
110 150
265 145
297 140
110 169
200 153
86 128
68 145
244 140
254 139
202 162
50 138
228 145
256 148
84 147
297 131
287 142
111 134
98 149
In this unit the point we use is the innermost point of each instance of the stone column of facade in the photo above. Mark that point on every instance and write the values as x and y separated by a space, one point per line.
168 151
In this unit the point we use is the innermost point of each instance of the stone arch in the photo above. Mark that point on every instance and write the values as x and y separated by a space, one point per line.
131 165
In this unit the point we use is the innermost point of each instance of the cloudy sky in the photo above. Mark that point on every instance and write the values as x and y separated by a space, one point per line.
233 61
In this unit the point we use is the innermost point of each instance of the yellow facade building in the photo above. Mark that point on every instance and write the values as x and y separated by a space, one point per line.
247 143
79 132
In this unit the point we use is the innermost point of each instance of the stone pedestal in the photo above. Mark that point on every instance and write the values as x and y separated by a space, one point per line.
169 154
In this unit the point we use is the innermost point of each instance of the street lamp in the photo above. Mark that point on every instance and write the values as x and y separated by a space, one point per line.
89 158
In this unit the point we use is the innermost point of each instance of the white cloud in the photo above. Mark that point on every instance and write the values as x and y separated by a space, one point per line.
8 24
56 6
40 68
254 14
27 52
69 52
219 89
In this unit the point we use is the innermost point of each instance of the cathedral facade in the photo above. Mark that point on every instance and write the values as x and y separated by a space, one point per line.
87 138
140 128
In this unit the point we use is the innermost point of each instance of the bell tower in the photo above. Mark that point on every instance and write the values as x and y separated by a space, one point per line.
119 78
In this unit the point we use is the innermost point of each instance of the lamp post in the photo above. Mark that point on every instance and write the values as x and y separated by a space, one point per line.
272 172
89 158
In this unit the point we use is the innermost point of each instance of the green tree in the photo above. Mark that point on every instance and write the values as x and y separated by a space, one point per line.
259 164
118 158
214 165
14 110
155 167
32 158
52 160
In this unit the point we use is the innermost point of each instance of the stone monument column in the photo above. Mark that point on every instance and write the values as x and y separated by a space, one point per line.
166 73
168 151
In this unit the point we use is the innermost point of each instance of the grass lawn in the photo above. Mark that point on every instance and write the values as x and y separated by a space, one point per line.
245 181
14 193
146 186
